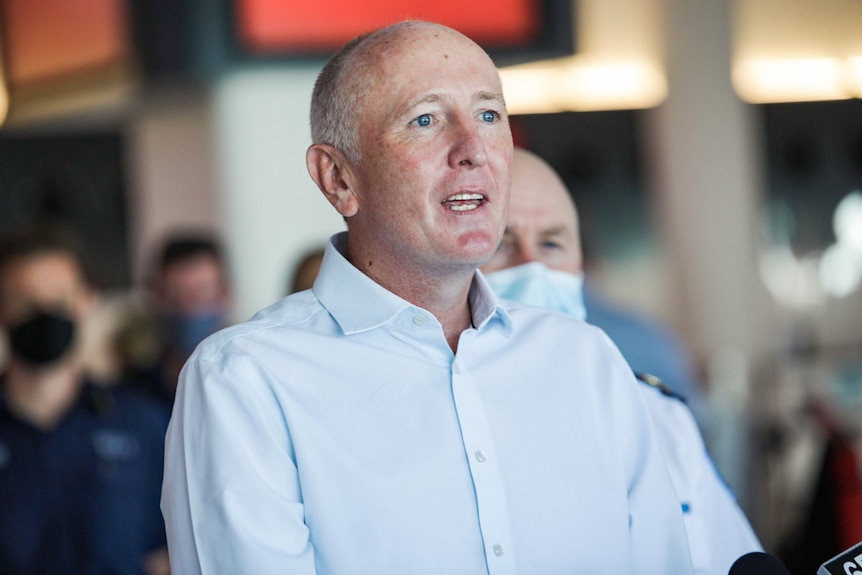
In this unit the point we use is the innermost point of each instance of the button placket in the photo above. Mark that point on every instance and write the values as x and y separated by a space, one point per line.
488 485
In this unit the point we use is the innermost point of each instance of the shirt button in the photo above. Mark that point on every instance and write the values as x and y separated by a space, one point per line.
498 550
456 369
480 456
420 319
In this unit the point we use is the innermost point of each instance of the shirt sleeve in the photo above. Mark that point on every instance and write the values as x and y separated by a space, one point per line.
231 496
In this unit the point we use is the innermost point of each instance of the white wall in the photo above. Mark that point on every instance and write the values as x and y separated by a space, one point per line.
272 211
172 173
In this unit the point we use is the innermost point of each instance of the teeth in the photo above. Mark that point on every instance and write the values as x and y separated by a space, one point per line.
463 207
461 197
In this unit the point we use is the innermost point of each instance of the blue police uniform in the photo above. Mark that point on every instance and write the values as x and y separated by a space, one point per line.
83 497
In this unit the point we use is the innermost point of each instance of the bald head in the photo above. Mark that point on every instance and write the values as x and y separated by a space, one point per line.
542 224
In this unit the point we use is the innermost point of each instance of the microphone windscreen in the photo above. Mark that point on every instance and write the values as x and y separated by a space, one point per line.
758 563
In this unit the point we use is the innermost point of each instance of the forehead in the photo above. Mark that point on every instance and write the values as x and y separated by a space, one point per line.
42 275
418 60
539 199
195 269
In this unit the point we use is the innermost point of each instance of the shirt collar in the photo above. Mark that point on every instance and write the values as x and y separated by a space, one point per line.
486 306
358 303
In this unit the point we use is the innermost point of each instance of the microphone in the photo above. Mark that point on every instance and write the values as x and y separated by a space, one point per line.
758 563
845 563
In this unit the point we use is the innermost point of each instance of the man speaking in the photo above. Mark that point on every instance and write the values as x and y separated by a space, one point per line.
398 418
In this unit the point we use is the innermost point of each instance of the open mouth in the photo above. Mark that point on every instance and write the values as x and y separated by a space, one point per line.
464 202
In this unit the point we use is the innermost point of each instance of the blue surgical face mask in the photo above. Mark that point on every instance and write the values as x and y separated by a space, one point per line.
185 332
537 285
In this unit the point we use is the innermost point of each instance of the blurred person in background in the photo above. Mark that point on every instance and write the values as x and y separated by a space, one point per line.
539 262
305 272
80 464
188 298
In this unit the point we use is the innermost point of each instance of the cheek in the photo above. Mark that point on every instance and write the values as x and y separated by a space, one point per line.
567 262
503 170
502 144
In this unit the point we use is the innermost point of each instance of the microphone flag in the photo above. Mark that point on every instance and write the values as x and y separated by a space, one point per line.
847 562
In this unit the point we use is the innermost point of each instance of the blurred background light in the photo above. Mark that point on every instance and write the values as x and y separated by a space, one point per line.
578 84
807 281
617 64
797 50
840 271
4 100
847 222
790 80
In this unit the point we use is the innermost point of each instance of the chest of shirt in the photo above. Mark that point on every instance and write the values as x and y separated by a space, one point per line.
489 440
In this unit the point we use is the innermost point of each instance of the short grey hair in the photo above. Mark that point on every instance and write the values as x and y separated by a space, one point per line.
333 107
336 99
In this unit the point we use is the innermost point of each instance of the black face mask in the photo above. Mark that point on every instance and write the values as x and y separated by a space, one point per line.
42 338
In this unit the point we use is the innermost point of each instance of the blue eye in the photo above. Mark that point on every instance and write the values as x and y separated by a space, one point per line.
490 116
550 245
423 121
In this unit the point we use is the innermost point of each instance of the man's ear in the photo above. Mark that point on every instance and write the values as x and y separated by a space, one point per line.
332 173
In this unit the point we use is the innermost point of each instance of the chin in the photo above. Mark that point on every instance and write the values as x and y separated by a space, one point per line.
477 250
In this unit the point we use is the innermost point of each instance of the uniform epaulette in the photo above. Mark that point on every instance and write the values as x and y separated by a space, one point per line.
657 383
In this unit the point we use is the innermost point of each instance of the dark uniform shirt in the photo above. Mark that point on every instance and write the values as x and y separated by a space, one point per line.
83 497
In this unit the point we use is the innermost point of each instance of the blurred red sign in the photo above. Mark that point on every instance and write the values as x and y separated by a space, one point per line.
281 26
50 39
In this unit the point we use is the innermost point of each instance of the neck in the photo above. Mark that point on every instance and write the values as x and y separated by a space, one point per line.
451 310
41 396
444 292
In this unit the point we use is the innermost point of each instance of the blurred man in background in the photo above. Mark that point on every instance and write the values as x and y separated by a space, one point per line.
80 465
539 262
188 299
305 271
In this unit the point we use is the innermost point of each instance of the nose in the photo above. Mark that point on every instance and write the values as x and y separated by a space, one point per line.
468 147
525 254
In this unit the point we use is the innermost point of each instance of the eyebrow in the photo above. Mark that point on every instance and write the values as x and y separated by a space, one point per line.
489 96
555 231
482 96
429 99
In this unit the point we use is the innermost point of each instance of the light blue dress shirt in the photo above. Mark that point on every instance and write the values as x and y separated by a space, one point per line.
337 433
